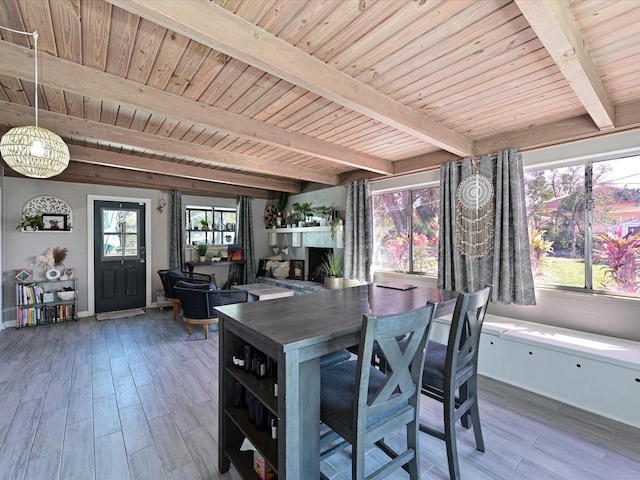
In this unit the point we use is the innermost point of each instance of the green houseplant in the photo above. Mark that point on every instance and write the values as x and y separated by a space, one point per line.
332 266
31 222
201 248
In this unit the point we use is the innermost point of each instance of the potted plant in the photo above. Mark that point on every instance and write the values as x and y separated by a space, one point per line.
323 213
285 248
204 224
304 210
31 223
202 251
332 266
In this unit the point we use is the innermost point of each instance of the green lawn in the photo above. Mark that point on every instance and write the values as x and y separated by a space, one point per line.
569 272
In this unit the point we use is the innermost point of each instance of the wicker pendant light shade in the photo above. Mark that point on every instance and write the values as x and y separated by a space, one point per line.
34 152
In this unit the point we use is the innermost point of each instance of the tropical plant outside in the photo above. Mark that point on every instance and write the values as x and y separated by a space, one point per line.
621 258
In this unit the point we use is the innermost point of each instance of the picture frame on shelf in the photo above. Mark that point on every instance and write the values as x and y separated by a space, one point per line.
235 252
67 273
24 275
54 221
48 297
296 269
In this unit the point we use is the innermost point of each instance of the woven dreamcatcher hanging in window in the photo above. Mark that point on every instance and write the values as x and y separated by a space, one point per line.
474 216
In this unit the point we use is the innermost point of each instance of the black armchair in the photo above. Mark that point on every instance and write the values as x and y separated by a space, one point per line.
169 279
199 301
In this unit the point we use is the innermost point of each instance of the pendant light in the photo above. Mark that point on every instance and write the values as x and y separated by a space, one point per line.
34 151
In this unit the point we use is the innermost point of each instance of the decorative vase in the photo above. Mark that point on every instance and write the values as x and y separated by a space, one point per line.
52 274
333 283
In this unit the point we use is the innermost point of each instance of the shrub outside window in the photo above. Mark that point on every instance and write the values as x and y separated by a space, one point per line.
399 217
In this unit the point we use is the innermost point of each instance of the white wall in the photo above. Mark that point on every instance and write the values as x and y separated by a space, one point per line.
19 248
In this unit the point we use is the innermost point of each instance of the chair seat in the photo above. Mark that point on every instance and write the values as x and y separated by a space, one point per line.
334 357
434 362
338 393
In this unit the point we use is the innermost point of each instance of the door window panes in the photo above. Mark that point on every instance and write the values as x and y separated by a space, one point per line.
120 234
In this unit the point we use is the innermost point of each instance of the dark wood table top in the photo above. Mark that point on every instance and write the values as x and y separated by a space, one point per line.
330 317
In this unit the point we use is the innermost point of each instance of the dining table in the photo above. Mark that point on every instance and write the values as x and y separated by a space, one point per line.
296 332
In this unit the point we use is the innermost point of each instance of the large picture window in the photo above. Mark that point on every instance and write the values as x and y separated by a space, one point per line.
406 229
584 224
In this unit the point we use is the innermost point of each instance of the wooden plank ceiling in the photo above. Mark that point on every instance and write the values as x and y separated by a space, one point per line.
254 97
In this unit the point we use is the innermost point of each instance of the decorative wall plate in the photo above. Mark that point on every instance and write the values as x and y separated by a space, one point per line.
48 205
270 214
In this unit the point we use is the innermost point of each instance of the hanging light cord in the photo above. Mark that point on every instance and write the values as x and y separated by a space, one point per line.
34 34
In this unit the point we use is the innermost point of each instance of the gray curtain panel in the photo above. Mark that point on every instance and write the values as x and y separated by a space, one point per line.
244 237
176 235
508 265
357 232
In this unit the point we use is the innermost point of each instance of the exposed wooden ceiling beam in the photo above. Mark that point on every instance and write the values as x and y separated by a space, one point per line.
422 163
78 172
163 167
564 131
214 26
86 130
553 23
69 76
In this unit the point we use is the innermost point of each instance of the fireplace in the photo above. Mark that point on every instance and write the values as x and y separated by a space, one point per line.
315 256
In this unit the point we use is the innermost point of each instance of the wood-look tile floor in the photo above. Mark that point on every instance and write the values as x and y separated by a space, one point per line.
137 398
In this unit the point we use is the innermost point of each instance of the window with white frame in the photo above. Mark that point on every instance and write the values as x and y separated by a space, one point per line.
405 231
210 225
584 225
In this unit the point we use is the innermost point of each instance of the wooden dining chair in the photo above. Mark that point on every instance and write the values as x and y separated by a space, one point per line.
454 367
360 405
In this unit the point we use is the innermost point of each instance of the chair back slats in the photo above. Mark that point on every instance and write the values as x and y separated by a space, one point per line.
401 387
466 327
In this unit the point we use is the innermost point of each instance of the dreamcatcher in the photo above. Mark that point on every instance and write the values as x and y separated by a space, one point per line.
474 216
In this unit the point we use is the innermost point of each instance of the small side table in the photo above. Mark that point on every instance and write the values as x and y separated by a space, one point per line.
263 291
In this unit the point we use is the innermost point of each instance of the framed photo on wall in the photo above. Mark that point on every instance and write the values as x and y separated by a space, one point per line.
24 275
296 269
54 221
